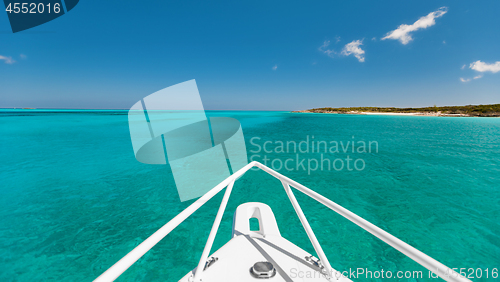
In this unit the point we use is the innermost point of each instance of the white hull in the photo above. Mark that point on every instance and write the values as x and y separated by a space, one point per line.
236 257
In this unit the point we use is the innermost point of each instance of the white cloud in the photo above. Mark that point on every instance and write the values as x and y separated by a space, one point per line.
8 60
463 67
275 67
353 48
464 80
337 39
374 39
478 76
349 49
323 49
403 32
484 67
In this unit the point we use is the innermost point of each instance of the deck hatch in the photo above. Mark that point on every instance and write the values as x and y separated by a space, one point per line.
263 270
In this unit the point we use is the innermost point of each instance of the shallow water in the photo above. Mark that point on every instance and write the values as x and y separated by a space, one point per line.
74 200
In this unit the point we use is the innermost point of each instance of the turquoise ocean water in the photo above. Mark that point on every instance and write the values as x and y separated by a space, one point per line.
73 199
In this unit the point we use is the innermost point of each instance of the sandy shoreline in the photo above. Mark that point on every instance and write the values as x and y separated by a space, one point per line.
412 114
434 114
395 114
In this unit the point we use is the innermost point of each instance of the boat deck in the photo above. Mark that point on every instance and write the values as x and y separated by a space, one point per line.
238 255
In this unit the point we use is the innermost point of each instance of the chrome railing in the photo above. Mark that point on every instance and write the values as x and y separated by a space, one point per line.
123 264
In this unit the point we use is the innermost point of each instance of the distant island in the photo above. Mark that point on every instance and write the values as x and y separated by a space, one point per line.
447 111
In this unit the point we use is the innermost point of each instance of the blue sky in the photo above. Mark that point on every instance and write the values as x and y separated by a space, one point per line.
257 55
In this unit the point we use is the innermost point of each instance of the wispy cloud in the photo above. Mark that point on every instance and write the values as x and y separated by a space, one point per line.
353 49
484 67
323 49
337 39
23 56
403 32
7 60
275 67
475 77
463 67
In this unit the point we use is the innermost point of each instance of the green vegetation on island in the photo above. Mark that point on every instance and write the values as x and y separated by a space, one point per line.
469 110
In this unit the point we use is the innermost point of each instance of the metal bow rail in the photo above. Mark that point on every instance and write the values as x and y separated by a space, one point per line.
123 264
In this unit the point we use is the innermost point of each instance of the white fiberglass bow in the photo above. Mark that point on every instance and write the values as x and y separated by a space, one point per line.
123 264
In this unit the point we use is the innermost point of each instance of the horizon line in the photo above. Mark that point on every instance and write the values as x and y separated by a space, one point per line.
122 109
